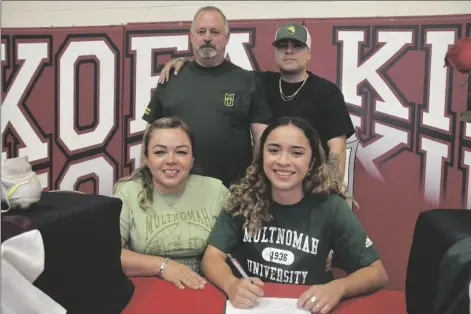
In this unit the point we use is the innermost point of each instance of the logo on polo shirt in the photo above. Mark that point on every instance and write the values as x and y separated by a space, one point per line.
368 242
229 99
147 111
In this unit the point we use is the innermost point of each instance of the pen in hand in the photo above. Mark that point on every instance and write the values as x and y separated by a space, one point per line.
236 264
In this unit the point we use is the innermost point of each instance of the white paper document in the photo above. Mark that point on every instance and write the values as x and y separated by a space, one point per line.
269 305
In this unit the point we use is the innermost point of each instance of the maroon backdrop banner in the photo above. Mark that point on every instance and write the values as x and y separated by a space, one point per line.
72 100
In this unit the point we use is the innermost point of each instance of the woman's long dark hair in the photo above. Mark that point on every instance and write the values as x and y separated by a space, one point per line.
251 197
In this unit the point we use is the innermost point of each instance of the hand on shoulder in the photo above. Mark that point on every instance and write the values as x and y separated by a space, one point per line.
176 65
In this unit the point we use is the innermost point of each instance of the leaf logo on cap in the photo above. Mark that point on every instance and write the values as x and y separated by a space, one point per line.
291 29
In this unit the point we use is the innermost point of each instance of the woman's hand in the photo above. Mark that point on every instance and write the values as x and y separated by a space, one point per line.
322 298
182 276
244 294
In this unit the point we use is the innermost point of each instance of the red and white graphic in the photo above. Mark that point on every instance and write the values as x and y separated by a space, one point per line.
73 98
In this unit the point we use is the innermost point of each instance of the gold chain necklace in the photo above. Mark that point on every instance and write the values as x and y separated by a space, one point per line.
288 98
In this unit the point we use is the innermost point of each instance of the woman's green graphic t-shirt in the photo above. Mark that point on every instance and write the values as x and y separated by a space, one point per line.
175 227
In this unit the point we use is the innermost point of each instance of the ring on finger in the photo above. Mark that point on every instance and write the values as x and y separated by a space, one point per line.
313 299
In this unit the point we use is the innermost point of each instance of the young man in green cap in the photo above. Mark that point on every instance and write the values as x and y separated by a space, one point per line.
295 91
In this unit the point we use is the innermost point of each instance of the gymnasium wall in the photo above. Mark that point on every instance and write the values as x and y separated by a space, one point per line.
73 97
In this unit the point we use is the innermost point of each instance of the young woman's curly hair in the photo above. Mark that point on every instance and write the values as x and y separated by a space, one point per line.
143 174
251 196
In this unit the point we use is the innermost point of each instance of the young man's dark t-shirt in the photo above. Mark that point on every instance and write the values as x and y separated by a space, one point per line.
319 101
218 104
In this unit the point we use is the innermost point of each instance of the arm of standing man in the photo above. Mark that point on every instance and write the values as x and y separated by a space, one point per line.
337 155
260 111
175 64
257 130
152 112
337 127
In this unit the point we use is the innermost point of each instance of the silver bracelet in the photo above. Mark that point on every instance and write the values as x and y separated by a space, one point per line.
163 266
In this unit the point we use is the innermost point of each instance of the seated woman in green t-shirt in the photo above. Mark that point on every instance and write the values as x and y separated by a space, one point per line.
168 213
282 220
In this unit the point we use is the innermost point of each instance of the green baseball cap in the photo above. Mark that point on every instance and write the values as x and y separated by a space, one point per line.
293 31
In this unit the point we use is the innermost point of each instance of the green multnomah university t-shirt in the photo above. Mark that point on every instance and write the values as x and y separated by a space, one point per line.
293 247
174 227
